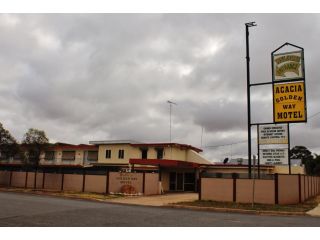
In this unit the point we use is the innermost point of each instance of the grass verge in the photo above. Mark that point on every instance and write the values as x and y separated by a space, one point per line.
69 194
300 208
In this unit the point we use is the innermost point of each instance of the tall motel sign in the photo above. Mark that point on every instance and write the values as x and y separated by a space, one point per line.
289 105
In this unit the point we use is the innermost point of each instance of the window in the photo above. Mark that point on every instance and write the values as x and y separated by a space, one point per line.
144 153
32 156
49 155
92 156
19 156
108 153
68 155
121 154
3 156
159 153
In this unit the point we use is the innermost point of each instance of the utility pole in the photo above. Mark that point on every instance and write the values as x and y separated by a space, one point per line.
250 24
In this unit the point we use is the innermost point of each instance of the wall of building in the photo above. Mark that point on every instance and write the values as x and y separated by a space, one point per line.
128 152
79 158
165 181
234 169
134 152
284 169
193 156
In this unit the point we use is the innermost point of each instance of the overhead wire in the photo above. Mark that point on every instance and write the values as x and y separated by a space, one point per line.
243 141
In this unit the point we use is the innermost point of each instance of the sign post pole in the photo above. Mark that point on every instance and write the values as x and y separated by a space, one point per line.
289 160
250 24
258 153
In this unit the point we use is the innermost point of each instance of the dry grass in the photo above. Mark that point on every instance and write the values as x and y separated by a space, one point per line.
302 207
70 194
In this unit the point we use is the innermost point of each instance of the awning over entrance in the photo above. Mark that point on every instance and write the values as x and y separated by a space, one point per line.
164 163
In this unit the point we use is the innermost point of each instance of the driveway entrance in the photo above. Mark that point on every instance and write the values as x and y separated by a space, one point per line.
157 200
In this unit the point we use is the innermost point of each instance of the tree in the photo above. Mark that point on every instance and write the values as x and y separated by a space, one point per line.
301 152
315 165
8 144
35 142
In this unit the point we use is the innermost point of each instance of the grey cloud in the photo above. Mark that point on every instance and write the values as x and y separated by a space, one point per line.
84 77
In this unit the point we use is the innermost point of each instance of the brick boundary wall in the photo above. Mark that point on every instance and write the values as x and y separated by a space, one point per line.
148 183
283 189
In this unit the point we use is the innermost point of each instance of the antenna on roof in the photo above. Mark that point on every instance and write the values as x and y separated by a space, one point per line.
171 103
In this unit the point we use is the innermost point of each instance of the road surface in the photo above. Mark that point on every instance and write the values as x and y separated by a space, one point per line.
18 209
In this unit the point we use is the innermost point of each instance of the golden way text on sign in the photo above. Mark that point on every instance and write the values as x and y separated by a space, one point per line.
289 102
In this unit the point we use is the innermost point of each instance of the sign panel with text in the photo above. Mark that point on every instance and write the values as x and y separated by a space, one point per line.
273 134
289 102
288 66
276 156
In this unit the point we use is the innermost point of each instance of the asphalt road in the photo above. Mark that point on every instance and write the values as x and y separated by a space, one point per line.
18 209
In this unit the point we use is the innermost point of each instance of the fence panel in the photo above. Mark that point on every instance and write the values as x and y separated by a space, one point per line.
119 180
18 179
4 178
217 189
39 180
151 184
303 197
95 183
53 181
30 179
288 189
73 182
264 191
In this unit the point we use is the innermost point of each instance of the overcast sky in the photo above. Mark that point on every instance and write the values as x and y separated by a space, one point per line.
83 77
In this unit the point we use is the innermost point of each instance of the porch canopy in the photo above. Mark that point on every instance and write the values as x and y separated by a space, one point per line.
164 163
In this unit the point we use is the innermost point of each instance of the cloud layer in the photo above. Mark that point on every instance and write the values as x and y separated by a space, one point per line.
84 77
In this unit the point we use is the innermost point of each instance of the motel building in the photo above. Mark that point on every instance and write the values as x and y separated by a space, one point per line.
178 166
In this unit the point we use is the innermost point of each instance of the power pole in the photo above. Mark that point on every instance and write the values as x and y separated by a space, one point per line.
250 24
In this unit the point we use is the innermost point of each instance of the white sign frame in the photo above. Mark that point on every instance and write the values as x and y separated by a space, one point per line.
280 67
273 134
274 156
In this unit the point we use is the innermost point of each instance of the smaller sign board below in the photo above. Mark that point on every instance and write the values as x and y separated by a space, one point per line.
273 156
273 134
288 66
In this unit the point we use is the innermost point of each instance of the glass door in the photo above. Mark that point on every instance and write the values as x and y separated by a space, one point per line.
179 181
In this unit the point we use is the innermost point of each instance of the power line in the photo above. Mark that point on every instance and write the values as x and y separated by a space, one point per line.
228 144
312 116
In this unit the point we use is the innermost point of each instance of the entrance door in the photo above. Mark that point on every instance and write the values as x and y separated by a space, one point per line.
179 181
172 181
